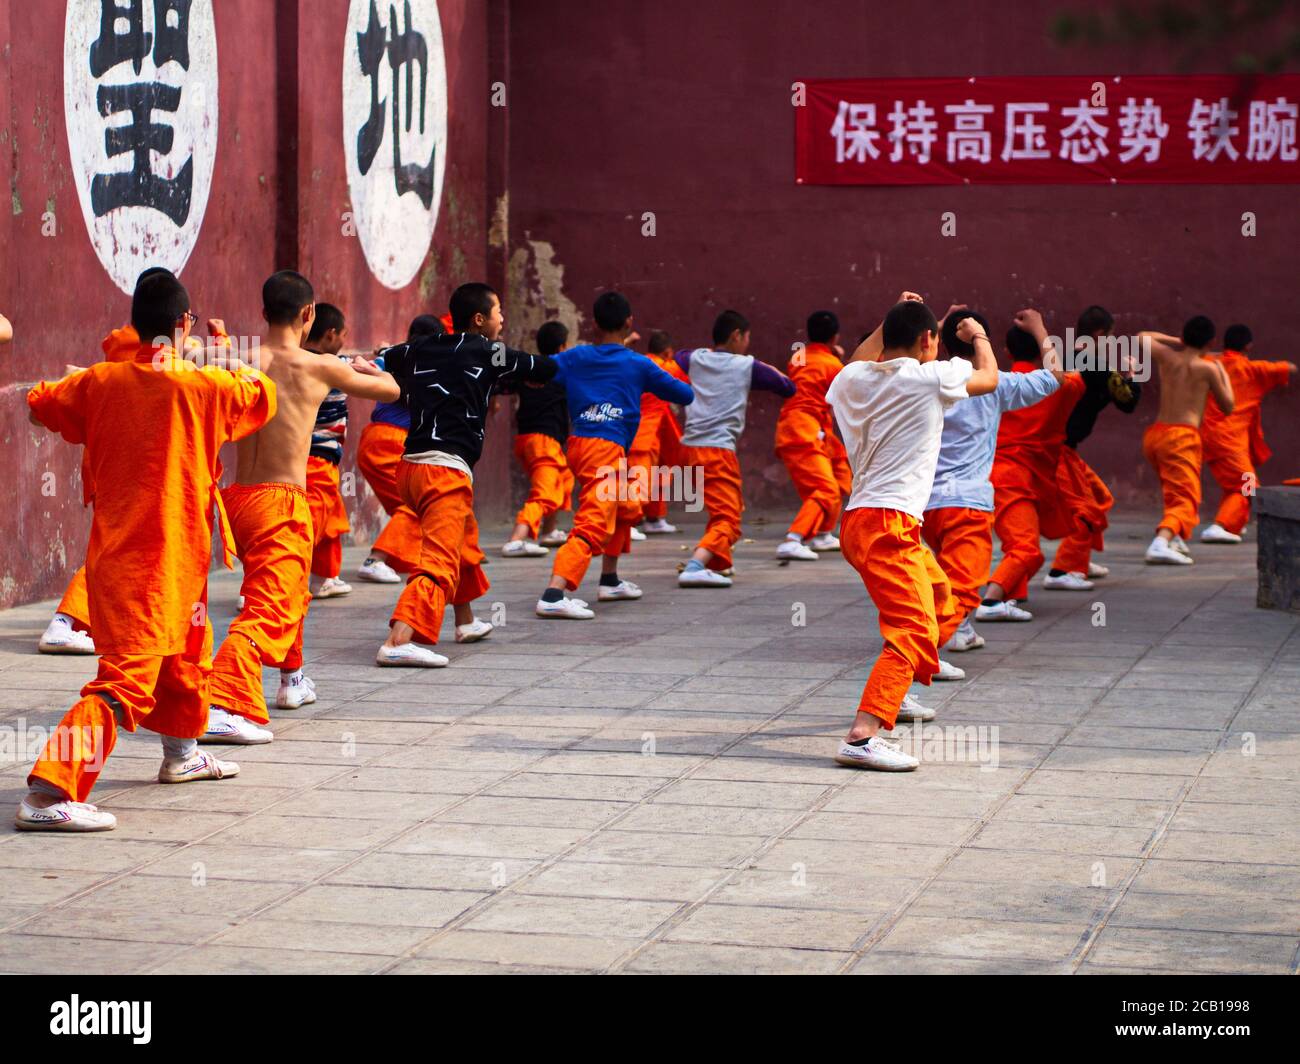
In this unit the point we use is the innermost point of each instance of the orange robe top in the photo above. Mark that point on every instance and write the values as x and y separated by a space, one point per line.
152 436
1227 434
654 409
1034 435
806 413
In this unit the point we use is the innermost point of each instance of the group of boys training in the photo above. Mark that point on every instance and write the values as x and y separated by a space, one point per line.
933 456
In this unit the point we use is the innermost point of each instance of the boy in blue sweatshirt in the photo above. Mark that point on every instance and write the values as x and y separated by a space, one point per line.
604 382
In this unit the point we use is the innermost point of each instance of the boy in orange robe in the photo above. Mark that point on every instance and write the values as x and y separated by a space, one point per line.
152 428
329 515
270 517
656 446
806 443
1026 503
889 402
69 629
1233 444
379 456
447 384
721 378
541 431
1173 444
1083 495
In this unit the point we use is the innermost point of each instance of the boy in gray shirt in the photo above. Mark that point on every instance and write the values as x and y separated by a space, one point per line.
722 378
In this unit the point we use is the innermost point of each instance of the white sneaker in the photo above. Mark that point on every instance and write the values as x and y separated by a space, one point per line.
1163 553
878 754
409 655
557 537
658 527
473 632
948 671
330 587
912 712
1180 545
702 578
624 590
824 541
374 571
61 638
637 535
202 766
63 816
524 548
1002 611
568 609
296 694
1067 582
1097 572
1216 533
964 639
230 729
793 550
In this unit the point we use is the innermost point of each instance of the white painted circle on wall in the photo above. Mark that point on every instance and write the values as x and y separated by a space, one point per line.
394 131
140 104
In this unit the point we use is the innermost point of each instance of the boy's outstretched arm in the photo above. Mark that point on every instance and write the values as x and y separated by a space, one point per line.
665 386
871 348
984 379
360 377
6 330
1032 322
1221 387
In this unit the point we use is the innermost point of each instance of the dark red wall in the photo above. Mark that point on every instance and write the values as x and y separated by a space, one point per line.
684 109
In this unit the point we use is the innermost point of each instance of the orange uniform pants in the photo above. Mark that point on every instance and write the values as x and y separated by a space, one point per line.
1025 507
379 457
606 514
812 466
448 566
912 596
271 525
722 500
962 541
329 517
550 481
664 451
1084 502
1233 471
1175 452
167 695
76 601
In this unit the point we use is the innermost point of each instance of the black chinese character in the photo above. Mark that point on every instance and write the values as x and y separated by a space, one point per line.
405 50
140 186
370 51
169 41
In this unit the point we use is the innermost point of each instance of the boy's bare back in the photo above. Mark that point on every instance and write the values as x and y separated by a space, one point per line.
277 453
1186 379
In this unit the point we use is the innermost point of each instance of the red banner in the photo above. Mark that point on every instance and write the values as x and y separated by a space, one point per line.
1048 130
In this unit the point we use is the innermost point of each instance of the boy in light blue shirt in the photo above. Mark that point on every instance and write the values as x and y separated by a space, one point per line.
958 518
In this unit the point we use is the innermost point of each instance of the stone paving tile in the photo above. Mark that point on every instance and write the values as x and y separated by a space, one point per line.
689 958
652 792
1195 951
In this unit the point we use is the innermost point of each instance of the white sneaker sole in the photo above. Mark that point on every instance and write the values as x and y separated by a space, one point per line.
366 578
62 648
166 777
64 826
868 766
